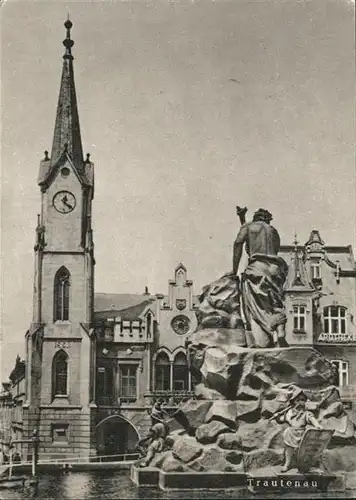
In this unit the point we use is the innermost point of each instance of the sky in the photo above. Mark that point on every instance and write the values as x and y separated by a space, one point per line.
188 109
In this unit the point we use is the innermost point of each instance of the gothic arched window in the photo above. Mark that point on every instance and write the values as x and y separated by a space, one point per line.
180 373
162 372
61 295
149 325
59 373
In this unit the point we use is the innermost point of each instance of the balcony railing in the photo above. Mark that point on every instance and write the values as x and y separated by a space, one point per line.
115 401
170 397
348 393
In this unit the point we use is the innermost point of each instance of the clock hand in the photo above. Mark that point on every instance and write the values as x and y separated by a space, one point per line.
65 202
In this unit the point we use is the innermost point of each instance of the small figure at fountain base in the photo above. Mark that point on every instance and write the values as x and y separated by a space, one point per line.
156 437
298 419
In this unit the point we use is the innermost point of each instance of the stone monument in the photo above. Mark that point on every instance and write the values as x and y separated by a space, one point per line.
262 280
261 407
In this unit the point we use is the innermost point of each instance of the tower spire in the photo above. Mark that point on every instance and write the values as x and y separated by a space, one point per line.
297 271
67 136
298 276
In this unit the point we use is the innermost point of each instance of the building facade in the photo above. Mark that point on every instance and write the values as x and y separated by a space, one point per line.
12 399
96 362
140 357
321 305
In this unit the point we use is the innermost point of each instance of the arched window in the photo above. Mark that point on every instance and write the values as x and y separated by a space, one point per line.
59 374
149 325
334 319
162 372
61 295
180 373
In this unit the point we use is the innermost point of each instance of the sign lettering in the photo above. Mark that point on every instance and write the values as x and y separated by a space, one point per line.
336 337
61 345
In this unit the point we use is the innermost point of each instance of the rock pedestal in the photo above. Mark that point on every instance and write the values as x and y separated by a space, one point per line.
237 372
235 434
228 427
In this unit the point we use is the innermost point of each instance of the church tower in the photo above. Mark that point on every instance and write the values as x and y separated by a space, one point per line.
60 344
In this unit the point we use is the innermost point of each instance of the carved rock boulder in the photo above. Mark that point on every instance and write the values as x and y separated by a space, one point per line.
220 362
220 304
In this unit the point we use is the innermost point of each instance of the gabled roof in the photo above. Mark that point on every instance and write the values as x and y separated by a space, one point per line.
127 306
48 170
19 370
315 238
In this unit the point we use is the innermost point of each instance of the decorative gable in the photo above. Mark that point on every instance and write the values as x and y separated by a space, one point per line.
314 243
298 278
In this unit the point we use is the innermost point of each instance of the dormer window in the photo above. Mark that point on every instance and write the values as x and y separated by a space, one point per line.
299 318
315 269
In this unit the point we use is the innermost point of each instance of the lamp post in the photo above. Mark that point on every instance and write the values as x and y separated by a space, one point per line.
10 445
35 444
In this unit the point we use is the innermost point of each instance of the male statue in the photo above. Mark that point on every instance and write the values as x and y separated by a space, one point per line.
262 281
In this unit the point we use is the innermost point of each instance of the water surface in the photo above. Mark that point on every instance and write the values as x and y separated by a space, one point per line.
117 485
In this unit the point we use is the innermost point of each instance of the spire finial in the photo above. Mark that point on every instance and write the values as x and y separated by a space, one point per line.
295 242
68 42
67 129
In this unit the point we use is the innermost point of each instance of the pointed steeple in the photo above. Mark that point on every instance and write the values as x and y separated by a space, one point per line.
298 276
297 264
66 130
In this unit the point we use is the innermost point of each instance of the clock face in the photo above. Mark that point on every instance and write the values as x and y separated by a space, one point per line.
64 202
180 324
